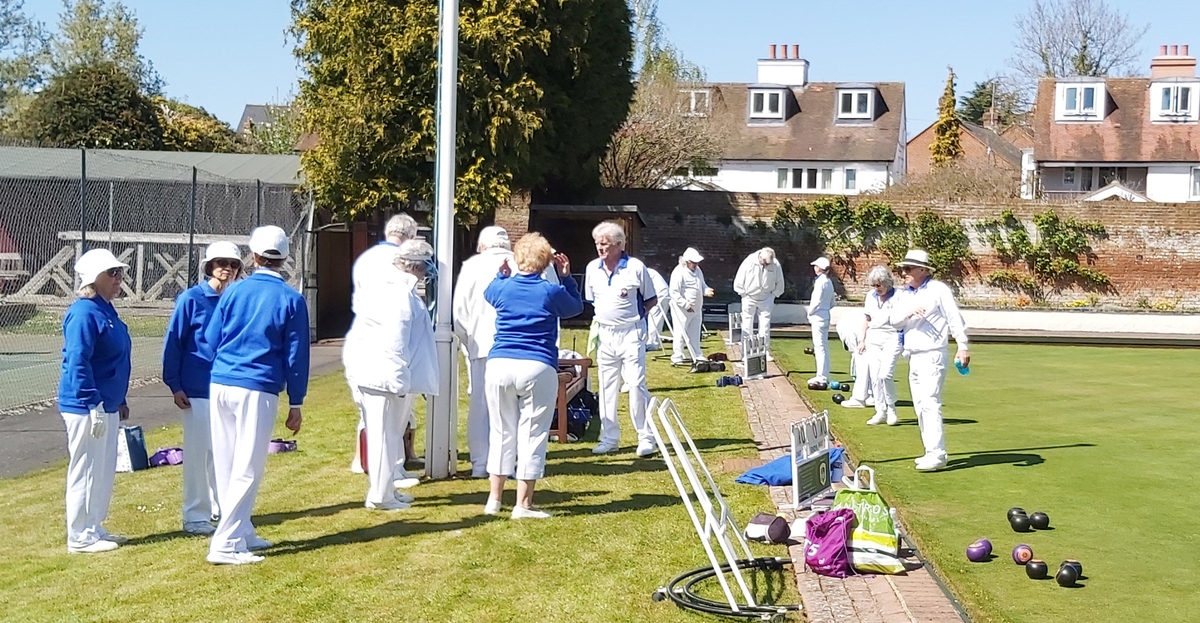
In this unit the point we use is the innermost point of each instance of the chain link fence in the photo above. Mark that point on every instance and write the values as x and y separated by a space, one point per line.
155 216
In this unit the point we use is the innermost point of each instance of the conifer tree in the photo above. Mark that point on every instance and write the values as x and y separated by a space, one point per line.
946 146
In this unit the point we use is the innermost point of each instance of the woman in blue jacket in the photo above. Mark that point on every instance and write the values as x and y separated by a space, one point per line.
522 368
186 373
91 399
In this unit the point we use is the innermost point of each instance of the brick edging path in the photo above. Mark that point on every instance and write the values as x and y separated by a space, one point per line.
772 404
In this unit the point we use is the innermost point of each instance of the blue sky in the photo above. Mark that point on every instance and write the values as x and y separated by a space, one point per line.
223 54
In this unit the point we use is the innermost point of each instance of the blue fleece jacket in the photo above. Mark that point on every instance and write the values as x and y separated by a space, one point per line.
257 337
527 311
183 367
96 350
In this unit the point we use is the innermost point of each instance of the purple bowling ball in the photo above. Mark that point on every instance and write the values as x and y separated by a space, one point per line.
979 551
1022 554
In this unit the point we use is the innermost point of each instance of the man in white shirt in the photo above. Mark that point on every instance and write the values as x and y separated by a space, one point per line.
656 318
621 291
687 289
759 281
818 318
475 326
930 316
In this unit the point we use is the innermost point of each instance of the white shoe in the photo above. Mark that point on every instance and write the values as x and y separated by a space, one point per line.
202 528
390 505
930 463
878 419
405 497
770 357
520 512
853 404
870 402
646 448
892 418
492 507
604 447
105 535
233 558
94 548
256 542
406 483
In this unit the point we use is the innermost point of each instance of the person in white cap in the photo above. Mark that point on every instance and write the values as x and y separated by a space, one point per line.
475 325
522 375
656 318
258 342
389 359
818 318
186 374
759 281
621 291
365 275
688 290
930 316
91 399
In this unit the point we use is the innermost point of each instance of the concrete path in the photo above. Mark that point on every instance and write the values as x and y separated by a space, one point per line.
36 439
772 404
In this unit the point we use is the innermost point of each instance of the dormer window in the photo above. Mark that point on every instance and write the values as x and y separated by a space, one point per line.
1079 100
766 104
1173 100
855 104
697 103
1176 100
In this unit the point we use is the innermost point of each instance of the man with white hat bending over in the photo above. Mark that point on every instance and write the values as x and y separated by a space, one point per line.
475 326
258 342
818 317
930 316
620 289
687 290
759 281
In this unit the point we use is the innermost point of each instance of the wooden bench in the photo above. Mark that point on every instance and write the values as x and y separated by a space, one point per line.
572 378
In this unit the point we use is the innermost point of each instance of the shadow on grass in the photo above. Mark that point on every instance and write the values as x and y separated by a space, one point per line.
635 502
1018 457
687 388
950 421
273 519
541 496
585 448
367 534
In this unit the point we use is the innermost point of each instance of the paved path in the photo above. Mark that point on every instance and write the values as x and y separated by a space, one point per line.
36 439
772 404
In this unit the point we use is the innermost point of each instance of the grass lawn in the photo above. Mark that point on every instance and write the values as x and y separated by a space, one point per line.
1101 439
45 322
618 533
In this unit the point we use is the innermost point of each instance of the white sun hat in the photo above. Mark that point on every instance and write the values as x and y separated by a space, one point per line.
91 264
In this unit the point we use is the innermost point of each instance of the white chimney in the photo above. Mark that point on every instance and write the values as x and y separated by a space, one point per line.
782 70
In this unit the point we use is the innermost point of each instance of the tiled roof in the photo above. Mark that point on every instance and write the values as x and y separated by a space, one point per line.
812 131
999 146
1125 135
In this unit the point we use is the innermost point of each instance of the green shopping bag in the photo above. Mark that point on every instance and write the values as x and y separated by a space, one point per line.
874 542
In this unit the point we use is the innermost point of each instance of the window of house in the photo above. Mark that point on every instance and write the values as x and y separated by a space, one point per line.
1080 100
1085 178
851 179
698 103
1069 177
810 179
1196 183
1176 100
854 104
766 104
797 178
781 178
705 171
826 179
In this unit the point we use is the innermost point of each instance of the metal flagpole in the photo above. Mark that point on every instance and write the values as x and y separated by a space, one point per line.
442 410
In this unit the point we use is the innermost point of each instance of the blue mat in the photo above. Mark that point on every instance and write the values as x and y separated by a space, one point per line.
779 472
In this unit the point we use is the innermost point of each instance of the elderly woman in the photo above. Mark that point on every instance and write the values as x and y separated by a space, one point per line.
522 368
879 343
91 398
389 359
687 290
186 373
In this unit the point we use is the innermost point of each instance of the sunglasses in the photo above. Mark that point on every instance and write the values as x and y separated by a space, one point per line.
115 273
223 263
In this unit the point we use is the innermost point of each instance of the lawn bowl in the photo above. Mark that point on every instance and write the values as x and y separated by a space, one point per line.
1016 510
1022 554
1040 521
1036 569
979 551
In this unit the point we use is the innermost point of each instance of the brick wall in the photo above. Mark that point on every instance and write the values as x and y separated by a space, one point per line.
1153 250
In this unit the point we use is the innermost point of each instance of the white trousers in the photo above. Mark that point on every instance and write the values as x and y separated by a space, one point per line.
242 421
926 372
199 480
478 418
386 417
860 369
685 326
752 309
520 395
621 356
356 463
882 355
820 338
91 467
656 318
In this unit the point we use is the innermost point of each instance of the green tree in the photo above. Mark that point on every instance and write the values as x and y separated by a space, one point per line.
946 147
94 106
541 88
190 128
976 105
93 31
23 48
